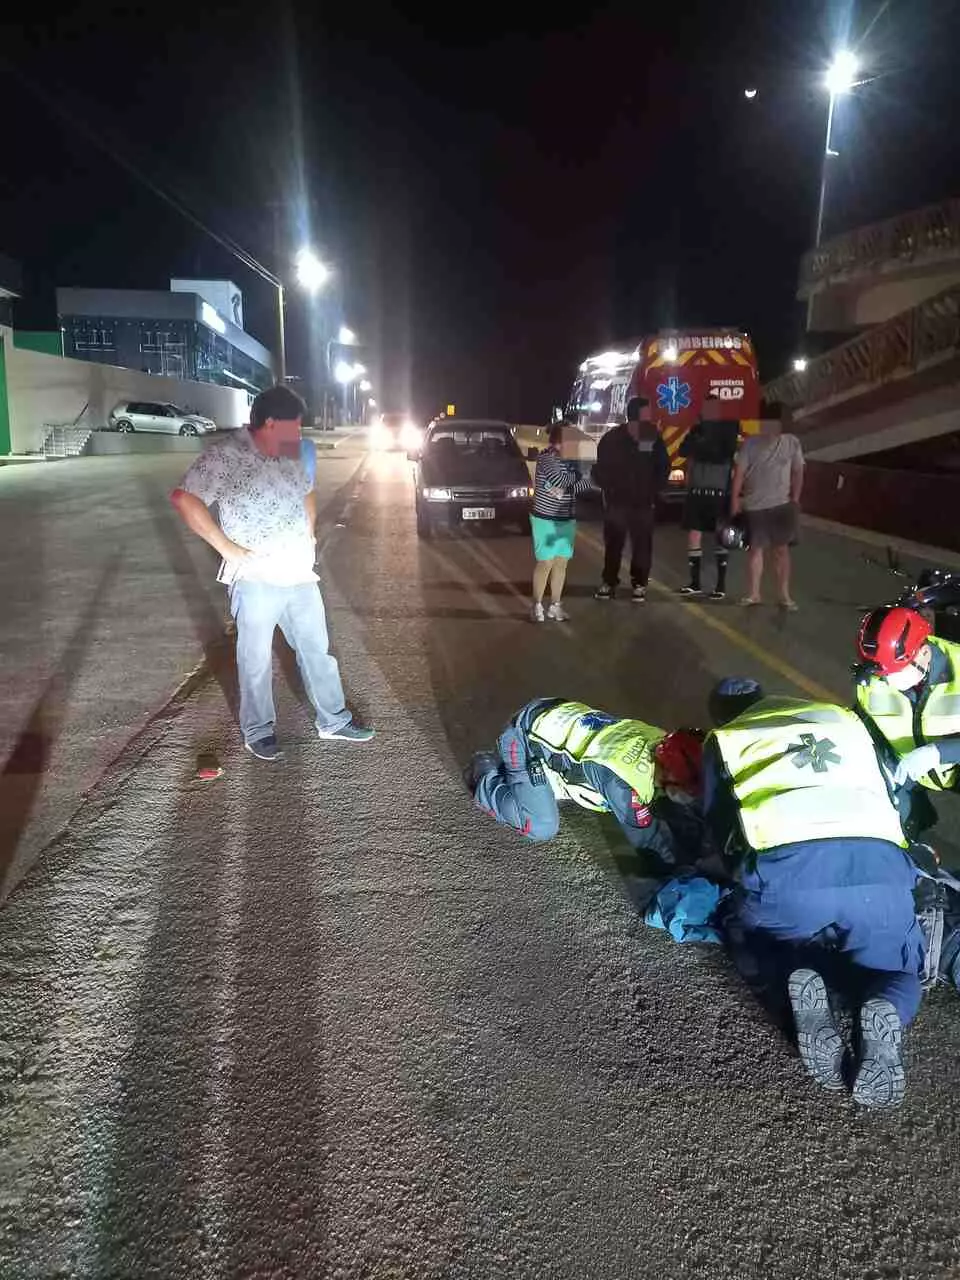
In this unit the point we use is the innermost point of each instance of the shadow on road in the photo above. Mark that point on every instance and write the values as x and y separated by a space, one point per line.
22 775
209 626
217 1141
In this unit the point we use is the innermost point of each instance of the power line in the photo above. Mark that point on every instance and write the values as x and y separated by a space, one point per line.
74 121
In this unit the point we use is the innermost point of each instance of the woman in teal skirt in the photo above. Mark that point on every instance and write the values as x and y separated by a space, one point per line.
556 483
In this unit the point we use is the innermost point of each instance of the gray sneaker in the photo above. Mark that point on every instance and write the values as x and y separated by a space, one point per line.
880 1080
818 1040
348 733
265 749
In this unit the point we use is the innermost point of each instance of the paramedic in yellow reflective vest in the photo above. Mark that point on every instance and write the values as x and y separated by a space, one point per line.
908 690
795 794
554 751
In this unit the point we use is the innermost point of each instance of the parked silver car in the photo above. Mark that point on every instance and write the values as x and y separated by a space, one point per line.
170 419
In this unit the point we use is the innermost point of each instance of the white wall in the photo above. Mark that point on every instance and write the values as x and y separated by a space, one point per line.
44 390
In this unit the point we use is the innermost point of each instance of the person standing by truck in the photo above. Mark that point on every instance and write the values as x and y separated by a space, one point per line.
709 449
632 465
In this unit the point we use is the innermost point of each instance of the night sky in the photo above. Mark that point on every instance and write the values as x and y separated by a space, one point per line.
499 196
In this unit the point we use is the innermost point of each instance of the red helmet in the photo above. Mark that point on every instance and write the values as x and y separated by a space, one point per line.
680 758
891 637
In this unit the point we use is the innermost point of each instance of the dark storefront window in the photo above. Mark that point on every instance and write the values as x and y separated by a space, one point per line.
163 349
6 312
168 348
95 339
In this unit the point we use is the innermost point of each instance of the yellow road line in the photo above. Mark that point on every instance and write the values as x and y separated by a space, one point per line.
709 619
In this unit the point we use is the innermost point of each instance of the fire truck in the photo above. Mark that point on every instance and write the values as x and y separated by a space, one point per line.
675 370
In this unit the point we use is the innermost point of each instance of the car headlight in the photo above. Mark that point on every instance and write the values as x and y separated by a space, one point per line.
523 492
438 495
411 437
677 475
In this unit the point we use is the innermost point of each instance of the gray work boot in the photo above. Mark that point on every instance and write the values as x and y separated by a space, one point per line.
880 1080
818 1040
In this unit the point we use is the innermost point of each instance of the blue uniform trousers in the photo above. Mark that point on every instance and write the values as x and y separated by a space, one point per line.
507 792
844 907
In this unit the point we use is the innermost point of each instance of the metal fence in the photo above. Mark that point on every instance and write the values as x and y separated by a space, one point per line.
905 344
931 232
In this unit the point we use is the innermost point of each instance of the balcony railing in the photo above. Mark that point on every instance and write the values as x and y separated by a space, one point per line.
921 234
904 345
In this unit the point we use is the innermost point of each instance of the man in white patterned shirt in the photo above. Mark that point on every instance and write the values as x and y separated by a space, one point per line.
265 535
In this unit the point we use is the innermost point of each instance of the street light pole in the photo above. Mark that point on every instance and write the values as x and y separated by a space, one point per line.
827 153
281 339
841 78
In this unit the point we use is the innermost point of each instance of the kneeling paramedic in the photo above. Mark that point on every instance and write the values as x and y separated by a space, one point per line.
794 793
554 751
908 692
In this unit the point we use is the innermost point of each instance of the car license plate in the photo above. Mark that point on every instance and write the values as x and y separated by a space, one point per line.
479 513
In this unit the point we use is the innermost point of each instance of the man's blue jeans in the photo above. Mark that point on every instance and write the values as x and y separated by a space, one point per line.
258 609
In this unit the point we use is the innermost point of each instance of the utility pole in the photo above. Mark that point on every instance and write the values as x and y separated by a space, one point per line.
276 207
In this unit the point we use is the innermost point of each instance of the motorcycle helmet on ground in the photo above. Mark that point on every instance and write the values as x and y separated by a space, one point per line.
733 533
730 697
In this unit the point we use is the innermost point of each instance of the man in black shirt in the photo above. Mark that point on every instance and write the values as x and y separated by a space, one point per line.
709 450
632 465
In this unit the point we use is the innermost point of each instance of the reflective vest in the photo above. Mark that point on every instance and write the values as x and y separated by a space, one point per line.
936 714
805 771
571 734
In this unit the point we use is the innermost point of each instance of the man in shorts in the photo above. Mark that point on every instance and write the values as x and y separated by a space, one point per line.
709 450
767 483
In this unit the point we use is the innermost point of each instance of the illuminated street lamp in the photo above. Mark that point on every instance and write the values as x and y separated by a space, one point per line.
842 73
346 373
312 274
345 338
366 385
800 364
840 79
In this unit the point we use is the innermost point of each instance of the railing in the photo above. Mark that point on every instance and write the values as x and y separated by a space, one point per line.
909 342
931 232
64 442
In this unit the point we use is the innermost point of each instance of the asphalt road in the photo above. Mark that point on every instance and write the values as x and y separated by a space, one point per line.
324 1019
106 607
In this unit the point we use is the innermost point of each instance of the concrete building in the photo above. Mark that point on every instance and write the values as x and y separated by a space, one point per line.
11 287
179 334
